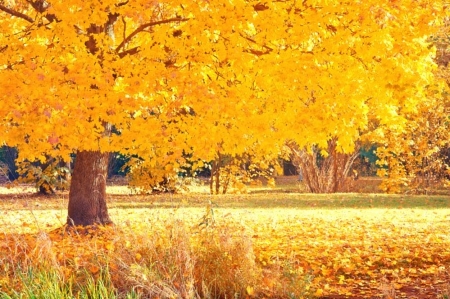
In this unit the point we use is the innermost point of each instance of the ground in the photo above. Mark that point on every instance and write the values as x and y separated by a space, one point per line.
352 245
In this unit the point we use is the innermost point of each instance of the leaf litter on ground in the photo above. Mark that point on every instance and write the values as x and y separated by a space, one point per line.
351 245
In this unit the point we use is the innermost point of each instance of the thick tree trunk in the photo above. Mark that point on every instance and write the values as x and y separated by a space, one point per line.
87 196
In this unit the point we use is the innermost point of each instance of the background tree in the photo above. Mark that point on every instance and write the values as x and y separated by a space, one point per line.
47 177
414 156
413 159
358 72
236 172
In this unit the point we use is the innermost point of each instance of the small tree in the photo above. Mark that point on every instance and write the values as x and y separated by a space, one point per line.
415 158
53 174
413 153
235 172
149 179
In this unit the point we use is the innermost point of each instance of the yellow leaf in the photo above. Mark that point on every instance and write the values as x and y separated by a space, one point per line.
271 182
319 292
250 291
109 246
94 269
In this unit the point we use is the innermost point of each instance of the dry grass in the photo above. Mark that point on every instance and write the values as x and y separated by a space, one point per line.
155 250
166 260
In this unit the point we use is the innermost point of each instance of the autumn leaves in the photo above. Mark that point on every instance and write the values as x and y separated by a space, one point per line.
323 71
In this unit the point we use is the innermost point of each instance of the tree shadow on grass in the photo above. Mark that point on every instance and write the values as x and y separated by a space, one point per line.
237 201
289 201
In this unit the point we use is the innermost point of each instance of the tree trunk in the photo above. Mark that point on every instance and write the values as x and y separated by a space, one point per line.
87 196
212 176
214 184
218 174
326 175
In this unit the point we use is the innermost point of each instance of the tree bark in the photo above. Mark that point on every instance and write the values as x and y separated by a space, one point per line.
327 175
87 196
214 184
218 164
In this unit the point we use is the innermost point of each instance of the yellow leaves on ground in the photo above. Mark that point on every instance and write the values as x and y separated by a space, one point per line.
347 251
343 248
250 291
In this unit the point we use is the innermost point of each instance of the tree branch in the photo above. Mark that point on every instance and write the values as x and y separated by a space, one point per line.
131 51
256 52
145 26
16 13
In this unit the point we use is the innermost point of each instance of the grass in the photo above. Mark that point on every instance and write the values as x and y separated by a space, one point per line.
50 284
263 245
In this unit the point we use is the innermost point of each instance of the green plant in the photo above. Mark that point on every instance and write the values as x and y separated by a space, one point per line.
99 288
296 283
36 283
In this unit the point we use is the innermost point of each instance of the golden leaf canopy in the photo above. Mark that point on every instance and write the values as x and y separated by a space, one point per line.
161 78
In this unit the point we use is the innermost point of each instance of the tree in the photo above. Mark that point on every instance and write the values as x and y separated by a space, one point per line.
415 155
114 75
235 172
360 73
412 158
99 77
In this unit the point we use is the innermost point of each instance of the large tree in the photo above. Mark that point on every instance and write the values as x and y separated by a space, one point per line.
161 79
139 77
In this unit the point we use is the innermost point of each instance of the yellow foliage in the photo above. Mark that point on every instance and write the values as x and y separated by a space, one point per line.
207 76
413 158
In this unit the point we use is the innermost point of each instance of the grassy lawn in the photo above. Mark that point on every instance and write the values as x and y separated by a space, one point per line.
262 245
